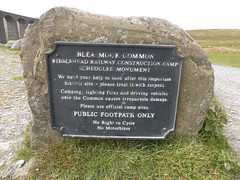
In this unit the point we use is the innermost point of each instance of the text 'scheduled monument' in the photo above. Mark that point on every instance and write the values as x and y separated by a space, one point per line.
95 76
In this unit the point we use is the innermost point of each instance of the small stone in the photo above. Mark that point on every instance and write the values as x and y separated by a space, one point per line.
20 163
17 44
10 43
6 176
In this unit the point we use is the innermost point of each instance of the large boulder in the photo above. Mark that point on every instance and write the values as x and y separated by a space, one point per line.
65 24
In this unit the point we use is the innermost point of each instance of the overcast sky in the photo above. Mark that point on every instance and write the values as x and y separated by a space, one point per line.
187 14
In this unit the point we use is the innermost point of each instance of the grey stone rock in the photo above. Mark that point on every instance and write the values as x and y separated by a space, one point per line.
65 24
17 44
10 43
20 163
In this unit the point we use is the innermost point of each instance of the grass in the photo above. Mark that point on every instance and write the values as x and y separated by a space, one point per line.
3 48
181 158
206 156
222 46
26 152
18 78
217 38
225 58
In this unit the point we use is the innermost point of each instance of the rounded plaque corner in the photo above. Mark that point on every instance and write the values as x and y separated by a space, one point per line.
181 57
176 55
167 133
60 130
54 49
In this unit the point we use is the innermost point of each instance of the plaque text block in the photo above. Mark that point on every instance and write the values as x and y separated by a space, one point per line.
113 90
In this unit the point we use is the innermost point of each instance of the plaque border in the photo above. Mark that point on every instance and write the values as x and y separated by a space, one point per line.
58 43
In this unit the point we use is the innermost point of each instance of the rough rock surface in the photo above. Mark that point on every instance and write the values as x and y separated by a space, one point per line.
64 24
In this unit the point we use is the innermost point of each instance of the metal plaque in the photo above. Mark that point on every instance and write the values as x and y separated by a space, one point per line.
113 90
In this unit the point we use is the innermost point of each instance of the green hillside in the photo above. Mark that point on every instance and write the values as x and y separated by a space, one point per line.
221 45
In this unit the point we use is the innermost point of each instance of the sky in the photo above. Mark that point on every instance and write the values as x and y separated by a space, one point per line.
187 14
